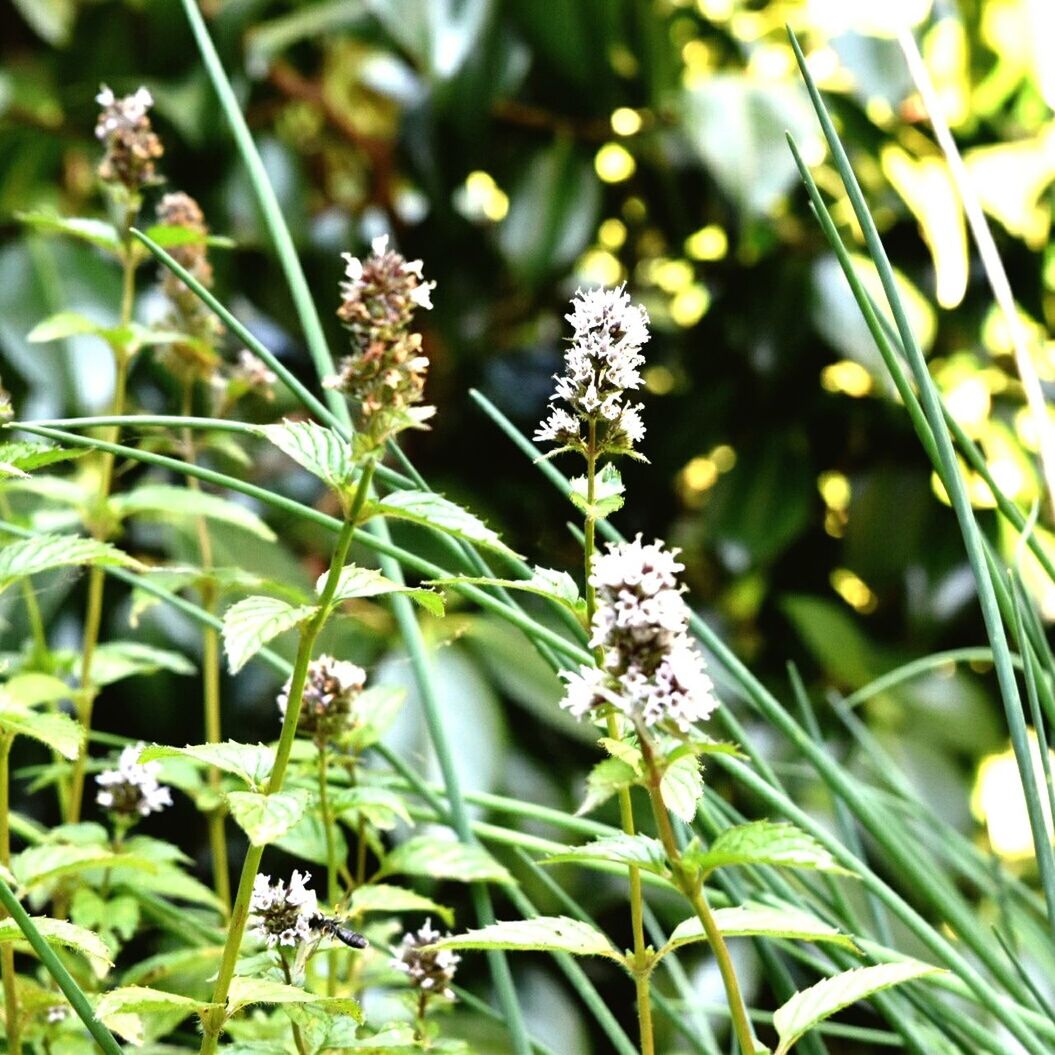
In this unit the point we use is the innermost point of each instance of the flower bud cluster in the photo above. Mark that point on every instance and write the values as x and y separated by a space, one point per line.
386 371
432 971
132 789
650 670
602 364
195 358
330 692
132 146
281 915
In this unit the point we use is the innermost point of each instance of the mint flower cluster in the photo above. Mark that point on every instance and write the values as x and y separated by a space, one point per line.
330 691
132 146
281 914
132 790
650 670
431 971
386 371
602 364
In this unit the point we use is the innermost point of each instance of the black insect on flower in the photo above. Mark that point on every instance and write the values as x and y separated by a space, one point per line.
334 928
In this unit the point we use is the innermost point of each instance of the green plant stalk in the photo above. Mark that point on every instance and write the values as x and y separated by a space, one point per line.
213 1019
373 539
961 918
96 577
210 674
957 493
12 1011
692 887
70 989
332 892
640 966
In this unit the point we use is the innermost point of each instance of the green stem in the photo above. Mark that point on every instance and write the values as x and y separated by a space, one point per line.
210 674
213 1020
99 525
640 966
12 1011
692 887
332 894
70 989
298 1037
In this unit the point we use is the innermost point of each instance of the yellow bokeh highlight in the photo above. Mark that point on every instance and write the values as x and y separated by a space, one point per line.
834 488
853 590
716 10
847 377
613 163
672 275
612 233
998 800
626 122
690 305
724 457
599 267
708 243
659 379
483 197
700 474
969 402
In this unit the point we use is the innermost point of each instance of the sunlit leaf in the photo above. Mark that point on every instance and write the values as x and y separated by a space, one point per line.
542 933
253 622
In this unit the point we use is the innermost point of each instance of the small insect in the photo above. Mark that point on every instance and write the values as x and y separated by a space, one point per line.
327 925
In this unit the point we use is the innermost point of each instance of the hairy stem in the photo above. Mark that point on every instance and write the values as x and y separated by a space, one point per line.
12 1012
692 887
332 894
640 966
99 525
210 674
213 1021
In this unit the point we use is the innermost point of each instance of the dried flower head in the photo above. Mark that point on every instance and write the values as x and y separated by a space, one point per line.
194 358
281 915
651 670
132 789
602 364
386 371
330 692
132 147
430 971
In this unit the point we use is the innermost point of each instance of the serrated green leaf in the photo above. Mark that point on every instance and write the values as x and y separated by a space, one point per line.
626 752
41 864
810 1006
607 493
247 991
367 582
33 688
170 236
46 552
163 500
641 850
265 818
378 806
437 858
761 921
58 731
97 232
62 325
137 999
607 778
253 622
764 843
435 511
19 457
381 897
116 660
542 933
682 786
197 959
315 448
567 595
67 935
308 839
251 763
376 709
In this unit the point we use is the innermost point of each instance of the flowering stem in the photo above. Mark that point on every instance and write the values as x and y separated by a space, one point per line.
210 673
298 1038
213 1020
691 886
331 859
12 1011
640 965
97 577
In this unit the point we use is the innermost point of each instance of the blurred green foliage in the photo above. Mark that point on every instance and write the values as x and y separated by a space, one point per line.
525 148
